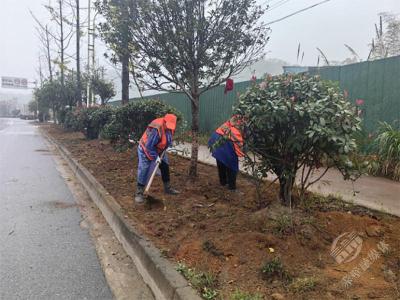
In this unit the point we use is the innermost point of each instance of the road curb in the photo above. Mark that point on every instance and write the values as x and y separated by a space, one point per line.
157 272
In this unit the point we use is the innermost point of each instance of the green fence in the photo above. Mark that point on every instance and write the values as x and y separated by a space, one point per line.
215 106
376 82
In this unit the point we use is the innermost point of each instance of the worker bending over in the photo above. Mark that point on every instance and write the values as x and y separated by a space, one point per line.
226 145
155 140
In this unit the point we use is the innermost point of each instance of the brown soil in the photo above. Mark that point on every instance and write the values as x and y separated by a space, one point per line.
228 235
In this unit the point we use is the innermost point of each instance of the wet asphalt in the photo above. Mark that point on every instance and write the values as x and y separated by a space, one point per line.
44 253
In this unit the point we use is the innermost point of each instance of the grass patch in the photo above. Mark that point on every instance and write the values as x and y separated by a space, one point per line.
312 221
205 283
274 269
282 224
308 220
315 202
239 295
304 284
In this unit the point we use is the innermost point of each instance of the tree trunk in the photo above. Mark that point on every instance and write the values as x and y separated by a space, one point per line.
195 136
49 54
286 185
40 72
125 79
54 113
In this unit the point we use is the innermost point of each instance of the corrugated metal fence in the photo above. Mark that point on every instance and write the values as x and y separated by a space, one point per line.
215 106
376 82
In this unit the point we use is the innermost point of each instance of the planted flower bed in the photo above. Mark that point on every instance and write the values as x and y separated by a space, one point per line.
229 248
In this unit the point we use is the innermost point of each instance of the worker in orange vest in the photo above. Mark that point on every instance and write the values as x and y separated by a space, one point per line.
155 140
226 145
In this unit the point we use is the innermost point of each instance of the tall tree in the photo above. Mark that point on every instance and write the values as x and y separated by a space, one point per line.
40 69
102 87
115 32
62 35
191 46
392 33
386 42
48 53
45 39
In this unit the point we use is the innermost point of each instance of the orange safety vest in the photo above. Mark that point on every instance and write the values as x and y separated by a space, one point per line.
159 124
228 129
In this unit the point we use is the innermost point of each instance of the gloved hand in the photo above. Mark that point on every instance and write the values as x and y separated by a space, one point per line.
131 140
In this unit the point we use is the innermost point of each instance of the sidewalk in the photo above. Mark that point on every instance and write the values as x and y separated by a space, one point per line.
372 192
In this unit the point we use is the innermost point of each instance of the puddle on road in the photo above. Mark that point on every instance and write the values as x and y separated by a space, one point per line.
45 152
60 204
42 150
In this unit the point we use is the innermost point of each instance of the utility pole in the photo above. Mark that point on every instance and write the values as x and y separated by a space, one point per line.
91 54
93 47
60 3
78 57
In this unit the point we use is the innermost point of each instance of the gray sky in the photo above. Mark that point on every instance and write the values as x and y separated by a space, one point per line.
328 26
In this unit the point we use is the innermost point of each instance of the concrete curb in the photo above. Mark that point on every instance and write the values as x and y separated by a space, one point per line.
158 273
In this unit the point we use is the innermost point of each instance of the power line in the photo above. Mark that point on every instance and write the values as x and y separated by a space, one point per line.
267 2
297 12
278 4
271 5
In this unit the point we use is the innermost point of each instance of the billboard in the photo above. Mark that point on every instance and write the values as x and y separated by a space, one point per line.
14 83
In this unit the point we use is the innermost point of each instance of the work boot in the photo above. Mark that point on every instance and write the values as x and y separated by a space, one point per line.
169 190
139 195
235 192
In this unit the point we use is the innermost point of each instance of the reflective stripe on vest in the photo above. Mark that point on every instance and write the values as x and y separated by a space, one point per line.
158 124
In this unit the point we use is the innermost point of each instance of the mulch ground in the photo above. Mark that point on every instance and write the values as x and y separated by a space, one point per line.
232 235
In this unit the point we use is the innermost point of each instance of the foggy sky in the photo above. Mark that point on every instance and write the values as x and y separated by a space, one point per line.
328 27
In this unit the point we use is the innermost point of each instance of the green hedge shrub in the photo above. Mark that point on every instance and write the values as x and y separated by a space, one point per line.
97 120
131 120
89 121
61 115
297 124
73 120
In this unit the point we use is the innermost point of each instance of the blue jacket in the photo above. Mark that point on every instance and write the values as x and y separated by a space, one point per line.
152 141
225 153
145 164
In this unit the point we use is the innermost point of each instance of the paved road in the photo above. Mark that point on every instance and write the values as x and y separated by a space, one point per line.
44 253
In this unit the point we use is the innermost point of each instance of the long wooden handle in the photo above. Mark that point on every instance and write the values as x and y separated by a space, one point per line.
154 173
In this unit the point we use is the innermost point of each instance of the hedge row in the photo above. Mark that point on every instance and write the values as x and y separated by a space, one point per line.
120 123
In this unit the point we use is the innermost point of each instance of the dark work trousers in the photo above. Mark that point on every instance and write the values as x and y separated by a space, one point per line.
226 175
164 168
